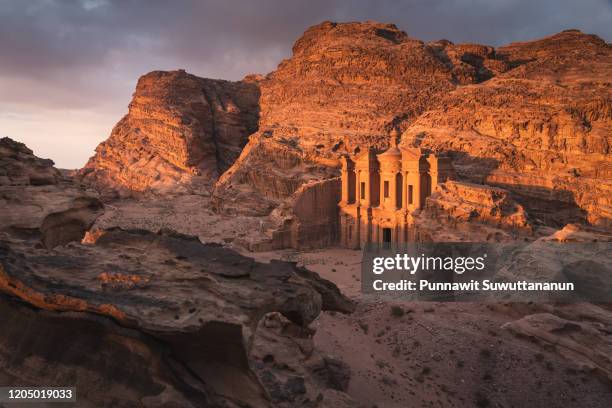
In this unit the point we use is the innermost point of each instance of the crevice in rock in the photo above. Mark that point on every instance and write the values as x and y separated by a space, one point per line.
213 126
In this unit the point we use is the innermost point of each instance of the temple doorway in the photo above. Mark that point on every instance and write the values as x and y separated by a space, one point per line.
386 235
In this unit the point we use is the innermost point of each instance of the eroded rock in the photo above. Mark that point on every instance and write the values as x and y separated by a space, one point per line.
203 303
180 131
584 343
19 166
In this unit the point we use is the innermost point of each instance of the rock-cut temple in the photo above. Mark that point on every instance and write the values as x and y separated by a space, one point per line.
382 191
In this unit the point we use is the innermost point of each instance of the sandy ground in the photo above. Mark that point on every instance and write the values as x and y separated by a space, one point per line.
426 354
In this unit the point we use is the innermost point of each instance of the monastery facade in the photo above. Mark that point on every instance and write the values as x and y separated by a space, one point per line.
380 192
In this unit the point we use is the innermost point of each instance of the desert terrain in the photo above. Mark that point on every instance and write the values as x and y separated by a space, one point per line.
195 259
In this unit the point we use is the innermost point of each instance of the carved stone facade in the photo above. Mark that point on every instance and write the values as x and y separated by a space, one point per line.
380 192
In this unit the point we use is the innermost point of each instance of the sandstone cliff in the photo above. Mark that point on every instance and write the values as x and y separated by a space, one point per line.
345 86
178 127
541 130
534 118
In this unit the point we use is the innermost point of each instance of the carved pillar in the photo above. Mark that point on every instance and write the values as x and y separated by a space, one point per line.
345 187
393 191
405 190
416 195
358 186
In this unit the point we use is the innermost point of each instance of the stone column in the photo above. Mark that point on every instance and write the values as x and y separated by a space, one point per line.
405 190
358 187
345 186
341 225
393 191
416 194
356 239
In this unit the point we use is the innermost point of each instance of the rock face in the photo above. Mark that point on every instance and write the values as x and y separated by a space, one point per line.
541 129
464 203
179 318
35 201
346 86
308 219
172 295
580 341
19 166
534 118
178 127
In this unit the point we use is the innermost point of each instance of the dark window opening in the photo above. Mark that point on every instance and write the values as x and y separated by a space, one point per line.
398 190
387 235
386 189
410 194
363 190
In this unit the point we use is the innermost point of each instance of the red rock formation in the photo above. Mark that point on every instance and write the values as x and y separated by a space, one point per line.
457 202
178 126
541 130
308 219
36 201
178 318
199 303
345 86
531 117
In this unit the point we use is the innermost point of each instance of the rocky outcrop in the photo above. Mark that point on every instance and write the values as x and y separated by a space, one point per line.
137 318
36 202
19 166
307 220
541 129
457 202
198 305
533 118
287 362
180 129
572 336
313 211
61 228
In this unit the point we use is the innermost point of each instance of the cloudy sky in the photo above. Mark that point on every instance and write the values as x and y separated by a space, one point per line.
68 67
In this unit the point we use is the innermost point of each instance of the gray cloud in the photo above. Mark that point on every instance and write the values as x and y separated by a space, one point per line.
88 43
87 54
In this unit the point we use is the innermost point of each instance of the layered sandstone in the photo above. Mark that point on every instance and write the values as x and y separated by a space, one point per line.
20 167
541 130
534 118
149 319
36 201
180 129
457 202
308 219
180 306
345 87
